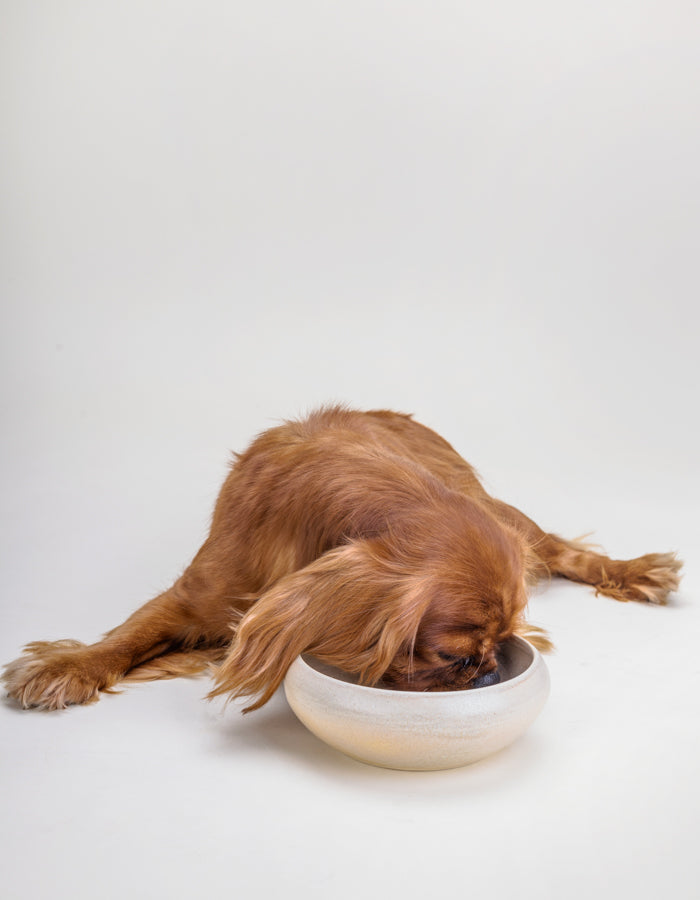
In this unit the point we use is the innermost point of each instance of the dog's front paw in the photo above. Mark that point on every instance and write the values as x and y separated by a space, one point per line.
649 578
53 675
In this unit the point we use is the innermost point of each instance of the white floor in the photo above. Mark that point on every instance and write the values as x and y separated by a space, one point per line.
157 793
217 215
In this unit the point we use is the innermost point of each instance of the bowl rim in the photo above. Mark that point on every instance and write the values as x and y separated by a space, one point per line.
501 687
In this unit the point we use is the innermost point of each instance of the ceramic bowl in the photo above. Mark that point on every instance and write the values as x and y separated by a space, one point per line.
420 730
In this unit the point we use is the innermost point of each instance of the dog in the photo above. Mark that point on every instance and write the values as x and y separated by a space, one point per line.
362 538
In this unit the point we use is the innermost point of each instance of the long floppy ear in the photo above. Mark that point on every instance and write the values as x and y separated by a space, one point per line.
353 608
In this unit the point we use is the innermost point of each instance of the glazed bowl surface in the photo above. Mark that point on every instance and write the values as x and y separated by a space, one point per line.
420 730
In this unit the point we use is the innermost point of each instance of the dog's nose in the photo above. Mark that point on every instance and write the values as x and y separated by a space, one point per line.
486 679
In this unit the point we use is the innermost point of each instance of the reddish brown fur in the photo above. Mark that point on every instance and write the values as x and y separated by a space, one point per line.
362 538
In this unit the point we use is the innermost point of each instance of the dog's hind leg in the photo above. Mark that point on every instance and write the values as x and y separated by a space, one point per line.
174 634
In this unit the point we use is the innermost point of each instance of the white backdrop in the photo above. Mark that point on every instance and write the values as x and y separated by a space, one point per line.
218 215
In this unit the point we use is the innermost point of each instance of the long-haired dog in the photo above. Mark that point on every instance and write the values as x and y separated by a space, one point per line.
362 538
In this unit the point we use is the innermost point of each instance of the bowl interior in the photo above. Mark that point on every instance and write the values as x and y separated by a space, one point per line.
515 656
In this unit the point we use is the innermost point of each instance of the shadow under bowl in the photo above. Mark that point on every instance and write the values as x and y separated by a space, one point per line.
420 730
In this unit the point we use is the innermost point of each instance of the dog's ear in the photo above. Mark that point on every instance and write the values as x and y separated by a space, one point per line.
351 608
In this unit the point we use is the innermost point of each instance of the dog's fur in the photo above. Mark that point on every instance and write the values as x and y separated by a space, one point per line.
362 538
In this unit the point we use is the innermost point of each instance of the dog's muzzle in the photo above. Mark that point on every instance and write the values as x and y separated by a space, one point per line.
487 679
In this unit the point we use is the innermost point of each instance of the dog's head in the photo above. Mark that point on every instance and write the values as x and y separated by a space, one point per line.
421 607
475 594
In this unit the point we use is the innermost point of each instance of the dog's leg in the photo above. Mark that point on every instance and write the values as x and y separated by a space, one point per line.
55 674
648 578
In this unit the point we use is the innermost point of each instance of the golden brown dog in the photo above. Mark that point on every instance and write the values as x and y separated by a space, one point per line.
362 538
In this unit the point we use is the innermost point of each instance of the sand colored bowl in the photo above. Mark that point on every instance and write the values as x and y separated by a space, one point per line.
420 730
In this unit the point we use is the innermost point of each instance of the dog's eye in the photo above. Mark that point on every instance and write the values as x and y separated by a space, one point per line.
464 661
